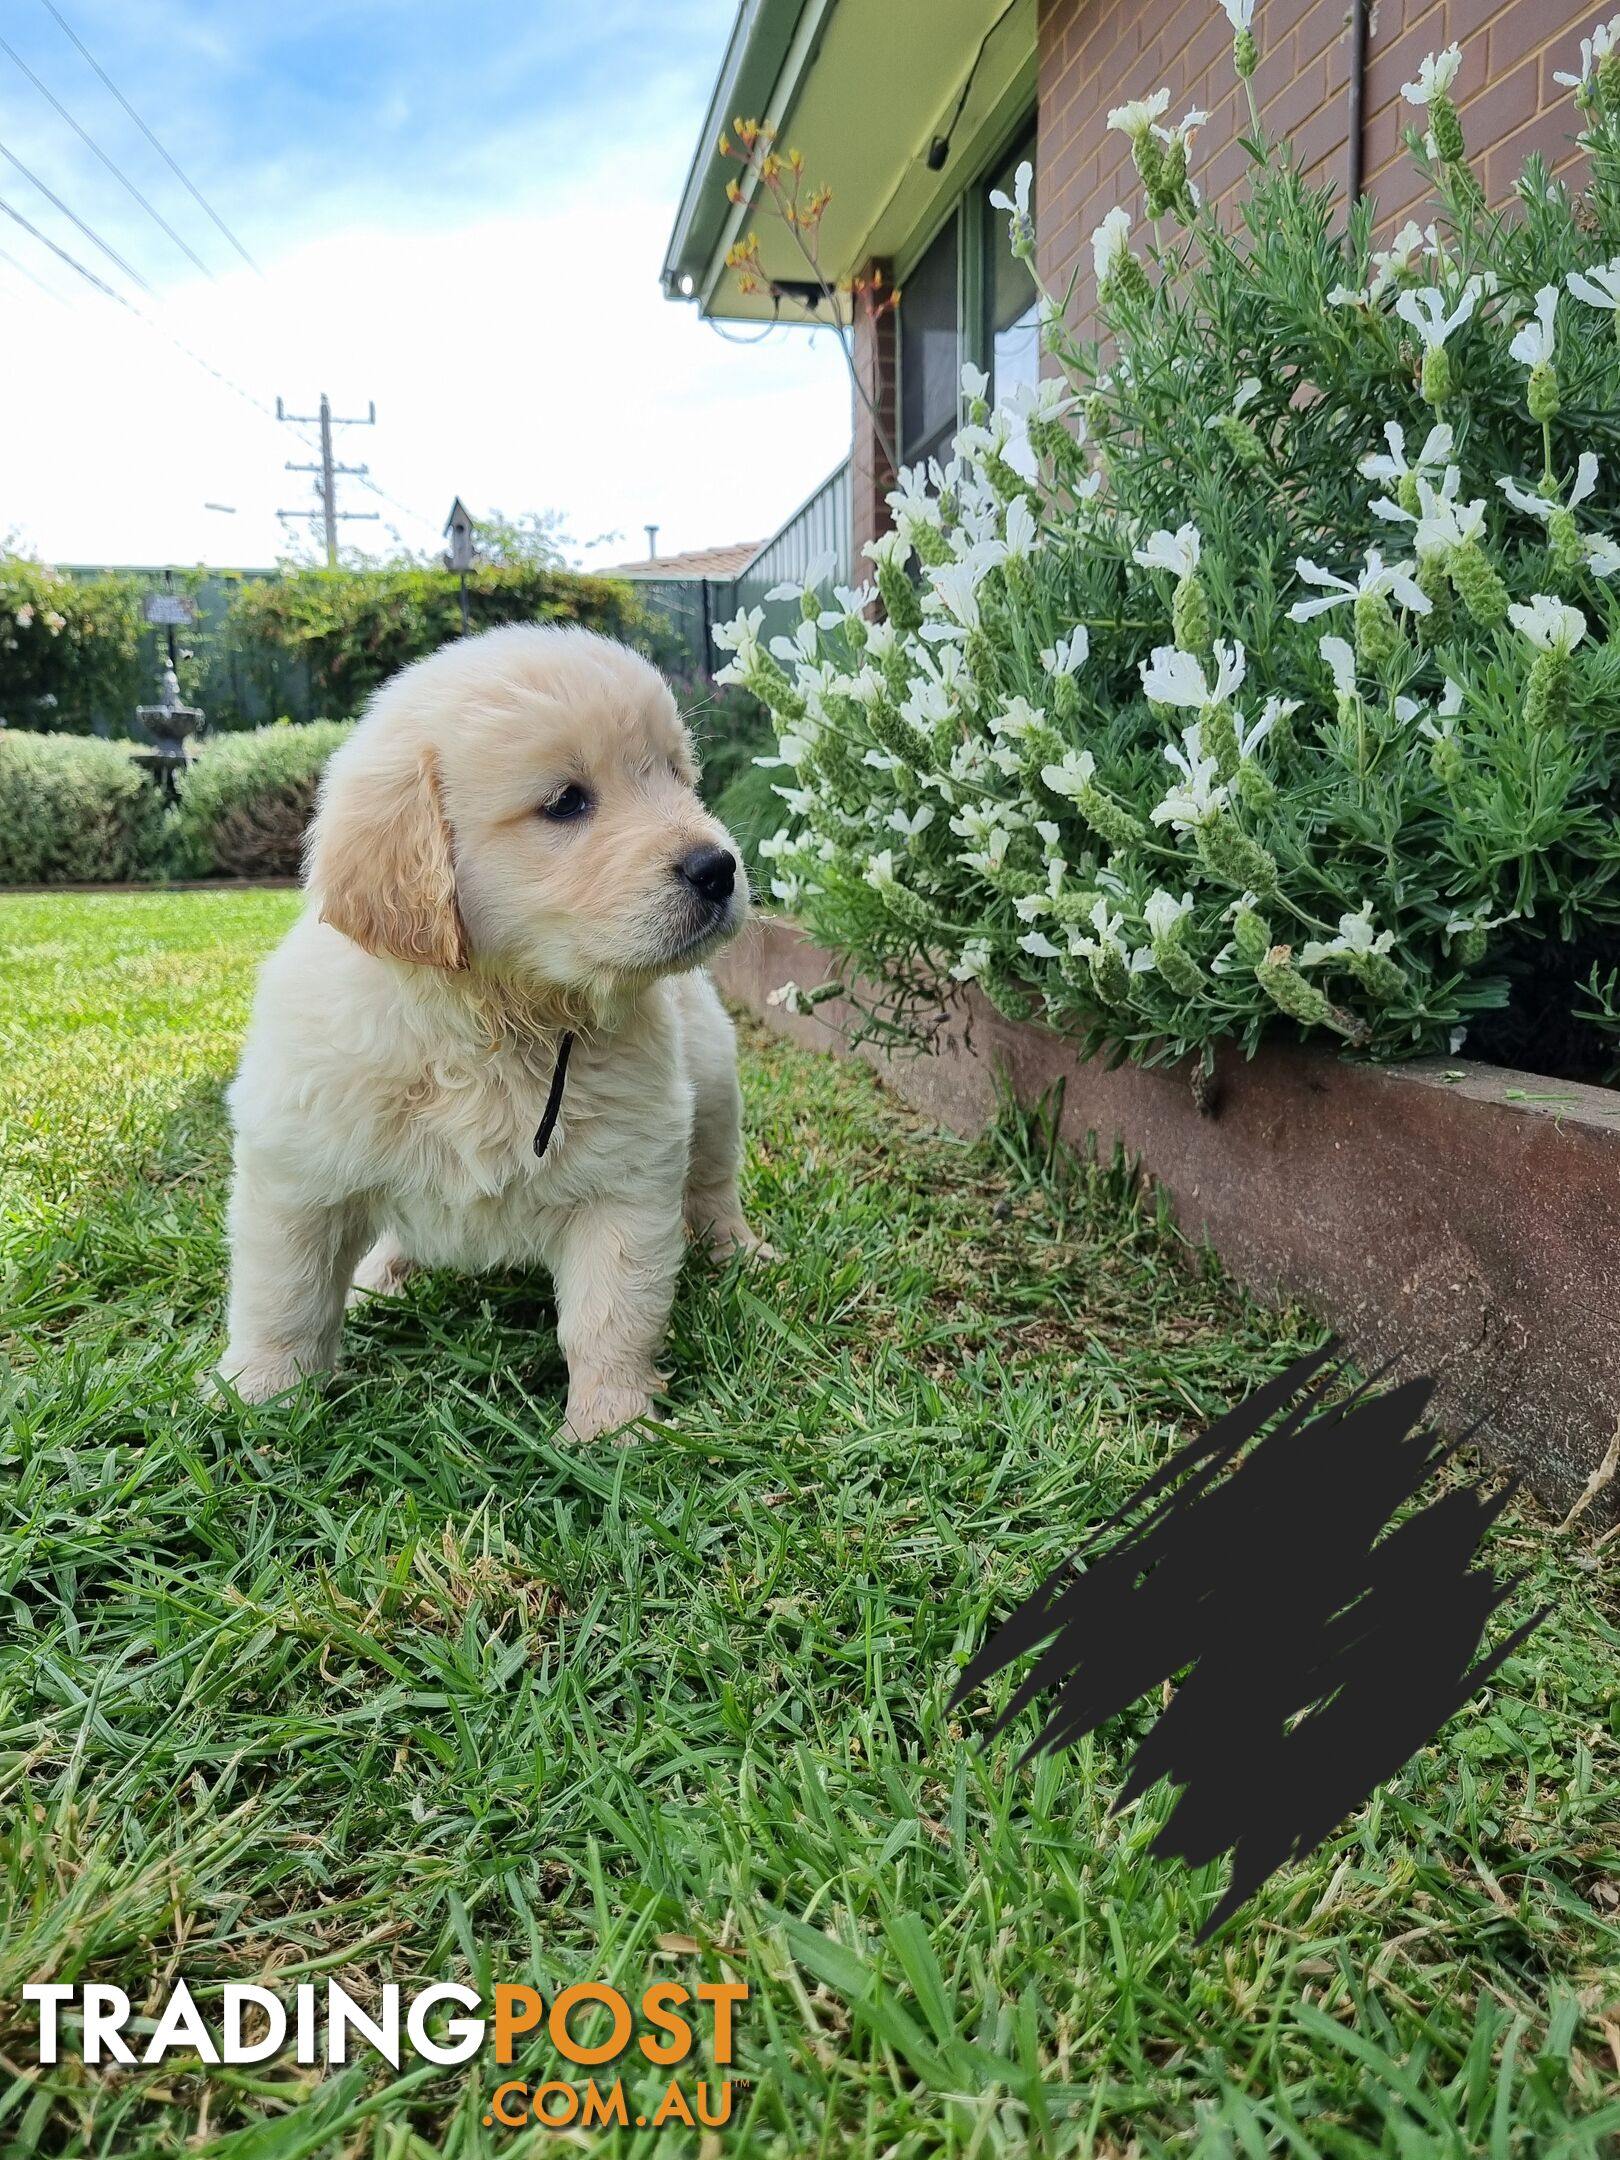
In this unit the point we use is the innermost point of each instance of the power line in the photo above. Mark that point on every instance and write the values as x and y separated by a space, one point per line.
416 516
23 270
327 469
72 261
73 218
111 292
91 144
190 185
324 490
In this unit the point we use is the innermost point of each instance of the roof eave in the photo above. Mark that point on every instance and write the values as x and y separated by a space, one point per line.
762 38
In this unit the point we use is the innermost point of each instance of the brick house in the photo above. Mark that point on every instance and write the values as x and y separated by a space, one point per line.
913 110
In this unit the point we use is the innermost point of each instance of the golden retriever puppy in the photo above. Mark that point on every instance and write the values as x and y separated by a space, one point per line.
488 1040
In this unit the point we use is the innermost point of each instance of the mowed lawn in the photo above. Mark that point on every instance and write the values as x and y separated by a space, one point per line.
386 1684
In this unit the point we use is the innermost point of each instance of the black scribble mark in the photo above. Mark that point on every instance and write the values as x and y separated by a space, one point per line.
1318 1648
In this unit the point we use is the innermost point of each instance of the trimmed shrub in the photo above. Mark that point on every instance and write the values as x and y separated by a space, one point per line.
74 810
245 802
355 628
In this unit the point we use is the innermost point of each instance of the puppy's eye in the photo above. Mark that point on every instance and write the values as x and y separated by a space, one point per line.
568 803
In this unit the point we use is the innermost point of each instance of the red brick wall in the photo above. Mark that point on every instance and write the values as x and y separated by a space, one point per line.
1098 53
876 346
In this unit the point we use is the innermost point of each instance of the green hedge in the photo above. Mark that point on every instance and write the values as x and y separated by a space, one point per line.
69 649
74 809
77 810
247 799
355 628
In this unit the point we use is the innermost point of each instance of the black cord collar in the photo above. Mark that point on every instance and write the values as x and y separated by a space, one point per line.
548 1118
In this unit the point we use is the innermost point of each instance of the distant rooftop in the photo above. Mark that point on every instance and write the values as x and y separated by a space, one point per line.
710 562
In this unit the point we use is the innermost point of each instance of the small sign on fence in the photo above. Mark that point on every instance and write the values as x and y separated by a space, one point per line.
169 607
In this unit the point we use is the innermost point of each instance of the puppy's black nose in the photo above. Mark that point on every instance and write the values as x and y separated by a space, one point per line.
711 871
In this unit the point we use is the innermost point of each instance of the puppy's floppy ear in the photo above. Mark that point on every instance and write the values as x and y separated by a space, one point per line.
380 857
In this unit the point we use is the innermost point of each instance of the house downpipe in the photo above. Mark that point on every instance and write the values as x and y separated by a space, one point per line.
1358 88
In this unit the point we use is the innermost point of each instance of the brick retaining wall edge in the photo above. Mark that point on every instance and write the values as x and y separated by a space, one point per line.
1439 1223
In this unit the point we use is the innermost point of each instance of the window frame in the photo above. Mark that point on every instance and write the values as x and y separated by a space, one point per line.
951 206
975 341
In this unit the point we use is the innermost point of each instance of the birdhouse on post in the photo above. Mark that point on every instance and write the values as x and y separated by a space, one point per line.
460 555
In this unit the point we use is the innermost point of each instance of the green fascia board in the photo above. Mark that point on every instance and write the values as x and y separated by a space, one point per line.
761 39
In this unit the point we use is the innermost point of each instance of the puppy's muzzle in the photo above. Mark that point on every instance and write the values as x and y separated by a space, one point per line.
711 872
706 885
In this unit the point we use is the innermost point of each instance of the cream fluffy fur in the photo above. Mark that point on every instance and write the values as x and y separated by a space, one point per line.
404 1035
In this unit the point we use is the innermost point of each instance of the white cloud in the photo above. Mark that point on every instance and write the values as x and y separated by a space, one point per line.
524 359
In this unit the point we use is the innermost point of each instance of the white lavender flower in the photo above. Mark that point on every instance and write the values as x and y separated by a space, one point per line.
1176 552
1249 738
1377 579
1393 469
1076 772
1341 661
1020 225
817 571
1356 935
1111 244
1598 46
1599 287
1137 117
1533 344
1426 310
1441 524
1198 798
1019 529
1548 624
1436 74
1172 677
1162 911
1069 655
1038 943
1600 554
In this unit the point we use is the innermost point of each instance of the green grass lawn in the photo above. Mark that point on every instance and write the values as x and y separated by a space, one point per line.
387 1684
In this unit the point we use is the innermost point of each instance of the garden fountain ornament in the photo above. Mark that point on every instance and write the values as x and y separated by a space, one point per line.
168 724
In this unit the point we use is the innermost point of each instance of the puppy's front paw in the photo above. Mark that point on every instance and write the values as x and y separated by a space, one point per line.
257 1375
732 1235
383 1272
596 1407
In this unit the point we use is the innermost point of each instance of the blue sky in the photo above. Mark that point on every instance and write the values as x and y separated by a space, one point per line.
458 212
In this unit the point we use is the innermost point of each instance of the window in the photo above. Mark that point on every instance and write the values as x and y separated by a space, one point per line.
965 298
930 349
1011 335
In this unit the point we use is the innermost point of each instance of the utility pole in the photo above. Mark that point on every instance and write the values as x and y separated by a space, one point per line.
328 473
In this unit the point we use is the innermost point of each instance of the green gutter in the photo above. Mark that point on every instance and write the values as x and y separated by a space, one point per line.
761 39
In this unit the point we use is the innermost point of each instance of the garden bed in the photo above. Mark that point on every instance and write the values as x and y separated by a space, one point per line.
1459 1218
